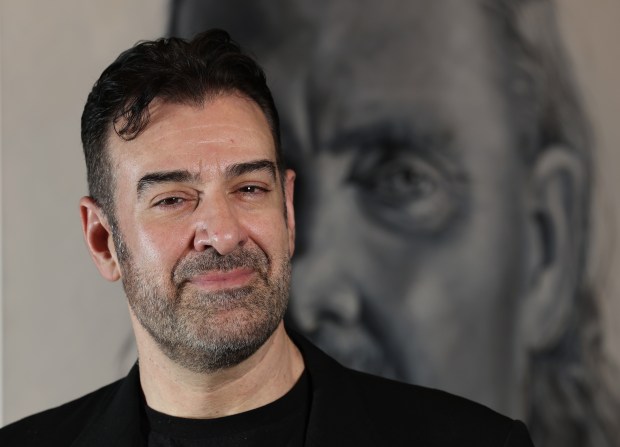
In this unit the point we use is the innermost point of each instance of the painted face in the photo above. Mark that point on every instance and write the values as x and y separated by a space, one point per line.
204 241
410 256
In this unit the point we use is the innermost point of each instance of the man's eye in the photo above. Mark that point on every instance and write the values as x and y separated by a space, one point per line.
170 202
252 189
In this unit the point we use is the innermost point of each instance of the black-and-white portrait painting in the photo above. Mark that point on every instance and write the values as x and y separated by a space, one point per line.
444 168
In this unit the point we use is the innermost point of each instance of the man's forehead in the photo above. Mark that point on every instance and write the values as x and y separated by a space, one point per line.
166 117
229 122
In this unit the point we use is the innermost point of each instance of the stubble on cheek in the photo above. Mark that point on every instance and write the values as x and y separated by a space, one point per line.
207 331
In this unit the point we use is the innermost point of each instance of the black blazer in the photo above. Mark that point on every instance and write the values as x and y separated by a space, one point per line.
348 408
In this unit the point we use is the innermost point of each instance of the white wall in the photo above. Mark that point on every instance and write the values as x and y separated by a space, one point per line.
592 34
63 326
1 235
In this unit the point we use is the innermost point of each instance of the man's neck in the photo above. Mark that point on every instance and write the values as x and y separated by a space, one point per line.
263 378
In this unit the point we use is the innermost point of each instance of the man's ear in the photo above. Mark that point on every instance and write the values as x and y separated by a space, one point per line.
289 191
556 237
98 237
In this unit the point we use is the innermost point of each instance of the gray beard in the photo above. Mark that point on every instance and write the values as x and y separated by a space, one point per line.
208 331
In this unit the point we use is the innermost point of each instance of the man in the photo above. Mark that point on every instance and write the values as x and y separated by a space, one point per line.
443 188
192 208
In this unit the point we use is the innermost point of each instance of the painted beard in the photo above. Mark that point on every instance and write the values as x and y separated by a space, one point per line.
208 331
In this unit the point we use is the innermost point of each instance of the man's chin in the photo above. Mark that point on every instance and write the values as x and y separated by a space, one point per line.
221 300
217 350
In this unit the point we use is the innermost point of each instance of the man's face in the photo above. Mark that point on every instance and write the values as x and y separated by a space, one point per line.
411 234
202 239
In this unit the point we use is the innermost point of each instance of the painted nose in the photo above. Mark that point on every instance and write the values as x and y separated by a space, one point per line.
324 288
218 227
317 301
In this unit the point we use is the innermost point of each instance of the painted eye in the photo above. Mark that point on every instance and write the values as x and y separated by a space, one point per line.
404 180
404 191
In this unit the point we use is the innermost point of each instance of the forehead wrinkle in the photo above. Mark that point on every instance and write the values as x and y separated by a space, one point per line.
236 130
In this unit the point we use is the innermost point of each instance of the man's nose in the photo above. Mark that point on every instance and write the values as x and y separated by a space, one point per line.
218 227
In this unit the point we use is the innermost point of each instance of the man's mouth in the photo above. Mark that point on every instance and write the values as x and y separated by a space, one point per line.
219 280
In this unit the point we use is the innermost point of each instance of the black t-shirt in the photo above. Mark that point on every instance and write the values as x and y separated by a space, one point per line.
280 423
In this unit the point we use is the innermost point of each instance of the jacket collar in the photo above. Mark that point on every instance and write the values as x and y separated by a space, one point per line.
120 423
336 415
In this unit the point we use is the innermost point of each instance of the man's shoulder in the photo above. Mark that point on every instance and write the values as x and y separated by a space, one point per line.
381 411
432 414
59 425
419 400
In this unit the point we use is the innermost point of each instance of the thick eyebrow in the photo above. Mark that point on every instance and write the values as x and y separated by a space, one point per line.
239 169
154 178
184 176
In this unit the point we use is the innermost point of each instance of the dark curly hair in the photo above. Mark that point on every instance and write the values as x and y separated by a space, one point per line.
173 70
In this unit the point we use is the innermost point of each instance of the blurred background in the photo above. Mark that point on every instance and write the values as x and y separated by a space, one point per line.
65 331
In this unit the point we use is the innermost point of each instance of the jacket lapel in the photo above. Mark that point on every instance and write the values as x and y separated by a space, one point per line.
337 414
119 424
